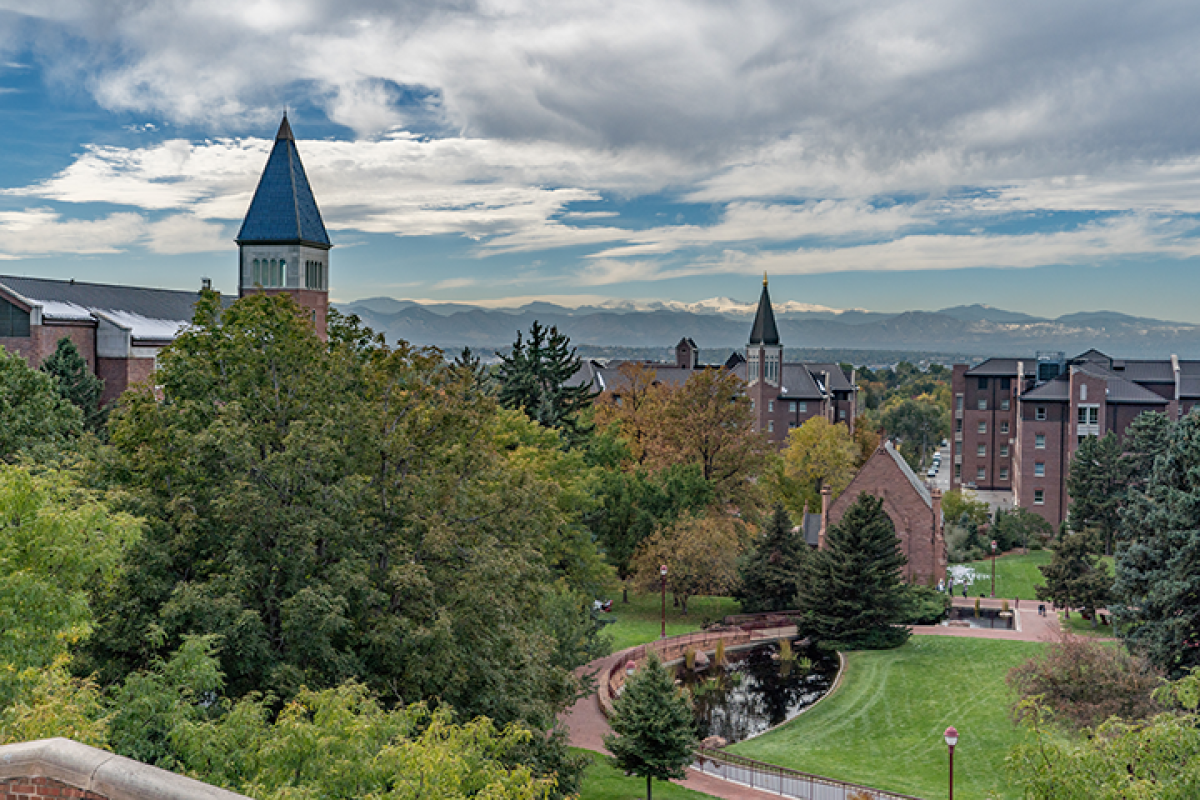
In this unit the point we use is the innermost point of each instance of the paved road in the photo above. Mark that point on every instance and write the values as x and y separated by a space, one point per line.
587 724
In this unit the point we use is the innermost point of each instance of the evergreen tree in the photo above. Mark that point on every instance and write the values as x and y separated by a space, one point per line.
654 732
76 383
533 378
1076 578
1145 439
771 573
33 415
1158 580
1096 483
853 594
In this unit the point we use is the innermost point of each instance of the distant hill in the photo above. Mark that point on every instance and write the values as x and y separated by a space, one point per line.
723 324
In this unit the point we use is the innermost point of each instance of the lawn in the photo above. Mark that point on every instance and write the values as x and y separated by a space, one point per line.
1016 574
604 782
884 725
640 620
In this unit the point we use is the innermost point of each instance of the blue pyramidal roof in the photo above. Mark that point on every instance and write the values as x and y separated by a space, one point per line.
283 208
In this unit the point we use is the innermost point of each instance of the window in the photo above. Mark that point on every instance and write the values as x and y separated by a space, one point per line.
1004 473
1039 469
958 448
958 402
1039 497
958 472
1004 404
792 407
14 322
842 414
981 474
770 406
1005 384
1039 413
1004 426
791 425
983 404
958 426
1039 441
1088 415
770 426
982 427
1004 451
983 383
803 406
281 274
981 451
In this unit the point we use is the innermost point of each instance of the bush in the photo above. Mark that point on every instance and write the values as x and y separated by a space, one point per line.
926 606
1020 527
963 544
1083 682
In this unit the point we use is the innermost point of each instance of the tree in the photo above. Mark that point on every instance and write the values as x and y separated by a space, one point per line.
852 594
701 554
1017 527
654 732
634 406
919 423
770 574
76 383
1096 483
1083 682
1145 440
957 502
533 378
1075 577
1157 580
819 453
33 415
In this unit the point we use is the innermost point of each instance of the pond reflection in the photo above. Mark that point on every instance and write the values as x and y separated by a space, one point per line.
756 689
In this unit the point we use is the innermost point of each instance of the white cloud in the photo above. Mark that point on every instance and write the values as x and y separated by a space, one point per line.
42 232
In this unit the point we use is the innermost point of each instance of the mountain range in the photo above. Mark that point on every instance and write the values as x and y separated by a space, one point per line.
724 323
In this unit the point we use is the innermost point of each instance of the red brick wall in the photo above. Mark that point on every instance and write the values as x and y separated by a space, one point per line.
119 374
43 339
30 788
916 529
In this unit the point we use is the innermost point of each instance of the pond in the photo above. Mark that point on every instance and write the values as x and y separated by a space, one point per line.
988 618
755 690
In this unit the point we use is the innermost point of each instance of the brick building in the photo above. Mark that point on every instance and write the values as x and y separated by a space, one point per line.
914 509
1017 422
119 330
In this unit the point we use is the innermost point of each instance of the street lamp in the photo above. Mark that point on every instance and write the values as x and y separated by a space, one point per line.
993 567
662 571
951 740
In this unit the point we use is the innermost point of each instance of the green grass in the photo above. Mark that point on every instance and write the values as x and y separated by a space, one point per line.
640 620
1079 626
1016 575
603 782
884 725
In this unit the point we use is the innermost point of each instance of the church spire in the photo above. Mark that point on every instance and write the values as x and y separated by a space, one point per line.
764 330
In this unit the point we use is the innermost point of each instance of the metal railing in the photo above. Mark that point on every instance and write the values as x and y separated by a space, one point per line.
783 781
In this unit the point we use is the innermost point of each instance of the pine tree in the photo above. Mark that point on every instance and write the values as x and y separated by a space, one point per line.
1158 580
533 378
1145 439
1097 483
654 732
1076 578
76 383
853 592
771 574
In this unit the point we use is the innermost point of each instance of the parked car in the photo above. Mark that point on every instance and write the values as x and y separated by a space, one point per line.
932 473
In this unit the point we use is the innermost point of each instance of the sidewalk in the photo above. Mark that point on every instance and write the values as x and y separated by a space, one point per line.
1031 626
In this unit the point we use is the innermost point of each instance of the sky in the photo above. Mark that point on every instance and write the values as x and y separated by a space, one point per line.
887 156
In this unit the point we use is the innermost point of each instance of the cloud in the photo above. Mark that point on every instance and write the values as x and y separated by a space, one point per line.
42 232
184 233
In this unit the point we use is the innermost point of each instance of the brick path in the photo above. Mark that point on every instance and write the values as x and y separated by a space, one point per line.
587 724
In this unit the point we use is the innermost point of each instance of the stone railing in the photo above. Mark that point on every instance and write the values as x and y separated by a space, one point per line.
59 768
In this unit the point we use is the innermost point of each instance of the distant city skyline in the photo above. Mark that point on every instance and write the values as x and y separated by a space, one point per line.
879 156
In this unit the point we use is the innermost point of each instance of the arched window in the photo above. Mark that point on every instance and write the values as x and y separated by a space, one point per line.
256 274
282 274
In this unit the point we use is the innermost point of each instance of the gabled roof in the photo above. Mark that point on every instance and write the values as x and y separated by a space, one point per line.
1123 391
764 330
283 208
907 472
838 381
1055 391
798 383
1002 367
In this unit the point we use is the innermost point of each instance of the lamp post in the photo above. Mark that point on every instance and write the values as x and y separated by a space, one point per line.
662 571
951 740
993 567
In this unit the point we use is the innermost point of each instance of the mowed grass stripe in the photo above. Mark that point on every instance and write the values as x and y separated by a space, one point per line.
884 726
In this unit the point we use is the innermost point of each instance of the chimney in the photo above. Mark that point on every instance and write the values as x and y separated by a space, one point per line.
825 495
205 284
1178 392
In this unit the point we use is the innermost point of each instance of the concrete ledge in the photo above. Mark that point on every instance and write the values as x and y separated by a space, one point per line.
103 773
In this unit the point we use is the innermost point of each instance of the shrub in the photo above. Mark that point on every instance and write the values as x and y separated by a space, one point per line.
926 606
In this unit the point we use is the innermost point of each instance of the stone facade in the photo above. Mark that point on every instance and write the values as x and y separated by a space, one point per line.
914 510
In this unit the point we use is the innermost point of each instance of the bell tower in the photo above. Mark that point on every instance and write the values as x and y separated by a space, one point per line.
764 362
283 246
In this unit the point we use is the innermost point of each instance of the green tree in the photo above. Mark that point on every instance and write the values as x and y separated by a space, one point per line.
919 423
1076 577
654 732
853 595
1157 580
1096 482
700 552
76 383
819 453
1146 439
957 502
33 415
770 574
533 378
1020 527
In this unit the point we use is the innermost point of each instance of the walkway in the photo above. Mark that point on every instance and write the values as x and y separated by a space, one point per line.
587 725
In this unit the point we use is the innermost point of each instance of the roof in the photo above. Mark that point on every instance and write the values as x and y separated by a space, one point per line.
812 529
907 472
1117 388
1123 391
837 378
1145 371
798 382
1002 367
764 330
1057 390
283 208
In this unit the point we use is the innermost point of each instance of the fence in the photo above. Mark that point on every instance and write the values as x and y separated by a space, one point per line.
783 781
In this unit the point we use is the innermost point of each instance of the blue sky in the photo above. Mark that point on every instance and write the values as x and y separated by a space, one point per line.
887 156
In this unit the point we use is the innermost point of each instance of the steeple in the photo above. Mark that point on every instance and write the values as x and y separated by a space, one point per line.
764 330
283 245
